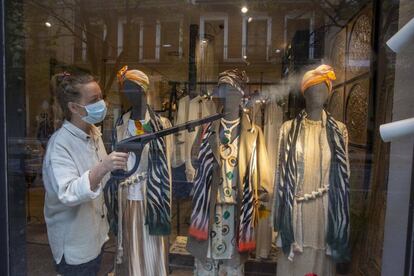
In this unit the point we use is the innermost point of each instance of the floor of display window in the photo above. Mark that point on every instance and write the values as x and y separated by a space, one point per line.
181 262
40 261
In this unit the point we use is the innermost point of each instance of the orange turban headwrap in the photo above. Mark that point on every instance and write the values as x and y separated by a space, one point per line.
323 73
136 76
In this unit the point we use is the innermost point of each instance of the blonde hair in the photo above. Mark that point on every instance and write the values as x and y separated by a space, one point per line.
67 89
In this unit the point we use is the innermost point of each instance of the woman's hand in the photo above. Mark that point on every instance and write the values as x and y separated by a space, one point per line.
115 161
111 162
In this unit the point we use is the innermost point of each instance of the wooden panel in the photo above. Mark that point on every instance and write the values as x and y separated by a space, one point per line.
336 104
359 46
338 56
356 111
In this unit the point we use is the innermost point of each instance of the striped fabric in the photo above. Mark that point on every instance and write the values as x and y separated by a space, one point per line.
200 215
248 216
338 209
201 190
158 192
338 213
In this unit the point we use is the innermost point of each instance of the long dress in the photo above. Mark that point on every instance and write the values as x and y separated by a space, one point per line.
310 216
144 254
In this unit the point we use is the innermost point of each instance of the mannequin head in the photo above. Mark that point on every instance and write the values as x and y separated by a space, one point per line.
316 96
230 99
134 93
137 98
134 84
316 87
231 90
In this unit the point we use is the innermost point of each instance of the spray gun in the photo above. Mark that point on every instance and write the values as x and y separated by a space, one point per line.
136 144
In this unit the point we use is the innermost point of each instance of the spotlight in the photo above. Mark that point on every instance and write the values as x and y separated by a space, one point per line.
250 19
204 41
244 57
244 9
48 24
167 45
277 51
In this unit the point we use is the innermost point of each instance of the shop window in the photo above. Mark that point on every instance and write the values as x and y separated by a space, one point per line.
165 63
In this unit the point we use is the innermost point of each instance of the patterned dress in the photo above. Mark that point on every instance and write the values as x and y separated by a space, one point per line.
222 241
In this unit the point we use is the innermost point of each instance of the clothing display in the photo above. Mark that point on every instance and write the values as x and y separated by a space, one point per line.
311 212
144 199
223 234
273 120
136 237
195 108
247 174
145 254
180 137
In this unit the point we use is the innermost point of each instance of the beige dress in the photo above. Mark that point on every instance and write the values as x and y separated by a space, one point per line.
143 254
310 253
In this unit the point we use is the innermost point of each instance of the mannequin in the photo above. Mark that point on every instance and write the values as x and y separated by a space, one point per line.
314 168
137 99
230 98
231 176
315 98
144 243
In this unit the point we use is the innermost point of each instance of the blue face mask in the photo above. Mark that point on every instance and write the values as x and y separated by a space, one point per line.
96 112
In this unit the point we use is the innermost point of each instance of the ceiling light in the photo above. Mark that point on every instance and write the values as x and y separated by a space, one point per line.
277 51
166 45
244 9
48 24
204 41
250 19
244 57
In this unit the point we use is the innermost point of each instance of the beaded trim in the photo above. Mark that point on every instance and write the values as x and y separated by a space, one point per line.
313 195
135 179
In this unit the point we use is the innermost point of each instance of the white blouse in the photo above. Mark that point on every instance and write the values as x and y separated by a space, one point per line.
135 191
75 215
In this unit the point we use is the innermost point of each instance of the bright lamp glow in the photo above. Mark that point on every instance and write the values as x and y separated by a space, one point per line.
244 9
48 24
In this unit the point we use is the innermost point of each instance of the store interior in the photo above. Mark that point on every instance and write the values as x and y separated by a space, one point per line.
183 46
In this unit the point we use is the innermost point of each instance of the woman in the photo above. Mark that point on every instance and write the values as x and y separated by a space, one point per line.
74 172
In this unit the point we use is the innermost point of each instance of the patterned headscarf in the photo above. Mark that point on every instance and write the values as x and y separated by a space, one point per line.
323 73
136 76
235 78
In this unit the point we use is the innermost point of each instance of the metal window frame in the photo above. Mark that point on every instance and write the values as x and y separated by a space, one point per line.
4 231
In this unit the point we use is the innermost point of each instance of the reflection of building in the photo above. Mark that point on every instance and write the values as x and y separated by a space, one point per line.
155 37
